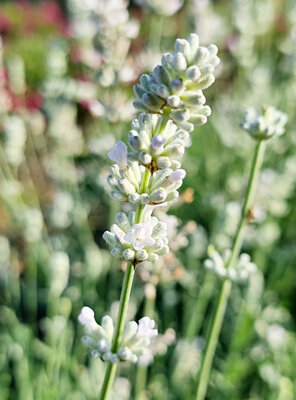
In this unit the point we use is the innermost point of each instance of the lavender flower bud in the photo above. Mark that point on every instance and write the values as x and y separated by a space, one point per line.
145 158
117 195
145 198
109 238
134 142
177 86
158 195
103 345
124 353
180 115
193 73
128 254
125 186
141 255
134 198
177 175
158 142
163 162
122 221
183 47
152 102
179 64
116 252
174 101
166 81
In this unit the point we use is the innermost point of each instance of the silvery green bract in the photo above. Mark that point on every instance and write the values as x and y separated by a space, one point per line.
135 341
175 87
271 122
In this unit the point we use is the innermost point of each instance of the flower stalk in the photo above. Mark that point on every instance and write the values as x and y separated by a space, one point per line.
147 174
123 304
227 284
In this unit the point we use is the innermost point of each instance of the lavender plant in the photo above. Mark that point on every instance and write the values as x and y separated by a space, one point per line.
232 266
147 177
56 119
103 31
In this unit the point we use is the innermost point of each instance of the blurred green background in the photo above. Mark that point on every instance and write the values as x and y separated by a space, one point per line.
66 75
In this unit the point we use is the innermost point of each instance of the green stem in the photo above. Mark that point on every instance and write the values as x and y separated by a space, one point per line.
141 380
200 306
123 303
213 340
109 378
256 164
226 287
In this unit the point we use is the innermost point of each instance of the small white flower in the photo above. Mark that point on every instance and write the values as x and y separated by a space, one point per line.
87 318
119 154
146 328
140 236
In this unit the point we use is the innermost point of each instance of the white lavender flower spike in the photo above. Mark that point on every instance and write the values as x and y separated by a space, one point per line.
150 173
175 87
126 176
218 265
148 176
103 30
137 242
160 140
135 341
271 122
